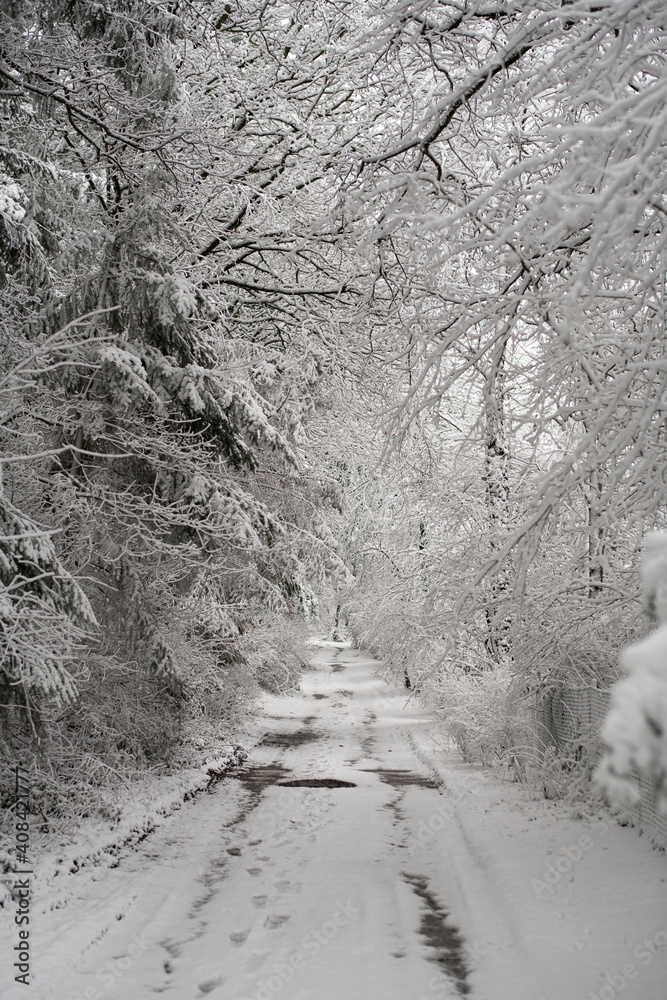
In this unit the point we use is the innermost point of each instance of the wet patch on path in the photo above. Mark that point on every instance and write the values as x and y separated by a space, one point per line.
400 778
317 783
256 779
296 738
441 936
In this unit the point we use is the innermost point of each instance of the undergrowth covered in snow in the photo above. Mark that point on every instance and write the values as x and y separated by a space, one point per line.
132 812
122 754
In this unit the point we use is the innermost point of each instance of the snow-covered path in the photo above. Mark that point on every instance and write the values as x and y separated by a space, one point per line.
423 879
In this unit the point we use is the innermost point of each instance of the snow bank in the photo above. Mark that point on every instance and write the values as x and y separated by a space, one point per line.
151 802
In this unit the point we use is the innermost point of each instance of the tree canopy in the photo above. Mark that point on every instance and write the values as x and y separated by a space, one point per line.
318 298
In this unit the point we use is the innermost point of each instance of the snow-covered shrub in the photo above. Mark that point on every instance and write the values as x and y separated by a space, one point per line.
121 721
483 714
390 629
570 646
635 729
564 772
203 637
275 650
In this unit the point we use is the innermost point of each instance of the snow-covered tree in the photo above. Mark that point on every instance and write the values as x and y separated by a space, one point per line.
518 192
155 438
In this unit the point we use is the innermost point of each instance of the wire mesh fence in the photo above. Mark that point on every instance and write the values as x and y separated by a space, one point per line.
569 721
649 819
570 717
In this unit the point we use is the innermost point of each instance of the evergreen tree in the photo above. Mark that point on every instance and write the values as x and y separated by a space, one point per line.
151 435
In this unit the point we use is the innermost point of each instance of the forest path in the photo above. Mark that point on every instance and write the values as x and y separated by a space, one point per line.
322 894
422 879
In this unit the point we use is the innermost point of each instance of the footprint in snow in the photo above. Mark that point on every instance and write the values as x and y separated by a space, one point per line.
238 937
210 984
255 960
275 920
253 871
285 886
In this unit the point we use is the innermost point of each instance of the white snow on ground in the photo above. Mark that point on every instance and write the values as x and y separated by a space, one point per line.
429 879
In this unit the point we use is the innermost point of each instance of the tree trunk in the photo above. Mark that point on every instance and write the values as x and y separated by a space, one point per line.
497 489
